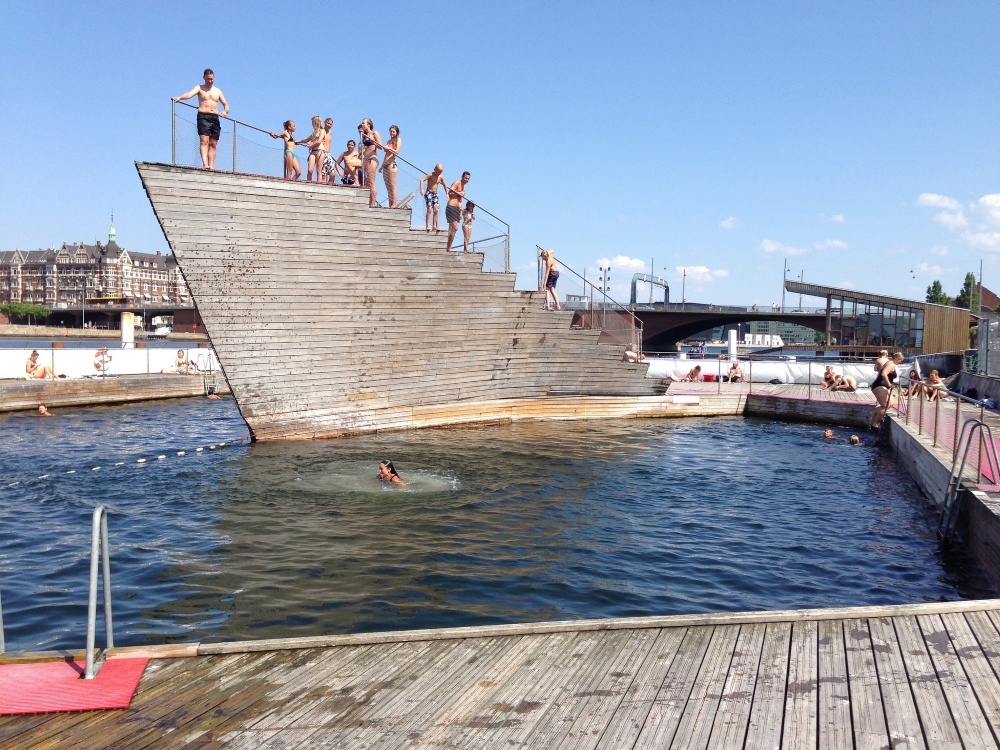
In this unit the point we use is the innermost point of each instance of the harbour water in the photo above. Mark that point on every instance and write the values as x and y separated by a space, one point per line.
516 523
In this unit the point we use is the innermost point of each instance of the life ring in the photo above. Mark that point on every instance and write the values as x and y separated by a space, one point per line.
102 360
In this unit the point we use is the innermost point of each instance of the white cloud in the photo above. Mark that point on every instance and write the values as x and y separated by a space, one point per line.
770 246
952 217
989 207
934 200
939 250
702 273
984 240
839 218
826 244
623 261
731 223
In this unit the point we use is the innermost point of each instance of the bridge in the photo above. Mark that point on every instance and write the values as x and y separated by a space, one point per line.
663 326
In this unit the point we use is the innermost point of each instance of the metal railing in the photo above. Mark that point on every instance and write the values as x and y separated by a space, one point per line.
3 646
953 495
236 152
614 320
98 543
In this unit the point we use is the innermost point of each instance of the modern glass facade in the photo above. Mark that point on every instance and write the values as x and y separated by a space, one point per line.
855 322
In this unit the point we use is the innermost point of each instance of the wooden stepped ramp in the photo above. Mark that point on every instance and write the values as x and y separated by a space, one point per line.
331 318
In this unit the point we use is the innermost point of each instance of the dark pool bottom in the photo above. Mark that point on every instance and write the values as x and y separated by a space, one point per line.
507 524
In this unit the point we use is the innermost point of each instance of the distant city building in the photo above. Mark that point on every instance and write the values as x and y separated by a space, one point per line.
789 332
60 277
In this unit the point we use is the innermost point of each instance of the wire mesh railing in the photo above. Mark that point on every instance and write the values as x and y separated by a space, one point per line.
248 149
594 309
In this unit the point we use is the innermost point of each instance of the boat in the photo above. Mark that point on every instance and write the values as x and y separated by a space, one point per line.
330 318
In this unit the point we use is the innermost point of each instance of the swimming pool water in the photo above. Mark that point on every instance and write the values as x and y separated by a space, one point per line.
507 524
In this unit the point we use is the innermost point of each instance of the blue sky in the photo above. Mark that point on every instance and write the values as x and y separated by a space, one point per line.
858 139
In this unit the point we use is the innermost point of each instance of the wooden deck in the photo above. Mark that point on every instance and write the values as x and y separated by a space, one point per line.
873 677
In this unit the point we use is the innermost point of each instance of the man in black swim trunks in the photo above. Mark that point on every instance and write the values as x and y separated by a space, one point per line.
209 127
453 211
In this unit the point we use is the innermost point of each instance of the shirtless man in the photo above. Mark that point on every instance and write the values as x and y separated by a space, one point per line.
434 180
453 211
329 171
209 127
351 162
372 141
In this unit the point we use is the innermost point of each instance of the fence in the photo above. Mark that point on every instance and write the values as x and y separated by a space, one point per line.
594 309
989 346
247 149
940 414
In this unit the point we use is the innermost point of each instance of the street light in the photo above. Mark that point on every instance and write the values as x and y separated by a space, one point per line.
605 288
784 278
684 279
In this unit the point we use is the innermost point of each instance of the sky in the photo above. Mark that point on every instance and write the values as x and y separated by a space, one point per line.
856 139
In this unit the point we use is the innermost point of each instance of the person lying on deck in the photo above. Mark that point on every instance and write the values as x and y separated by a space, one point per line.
845 383
693 376
387 473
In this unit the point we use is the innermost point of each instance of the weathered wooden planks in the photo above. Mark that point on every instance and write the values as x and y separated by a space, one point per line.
24 395
904 676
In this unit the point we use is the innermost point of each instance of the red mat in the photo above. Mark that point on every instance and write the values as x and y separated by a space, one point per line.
56 686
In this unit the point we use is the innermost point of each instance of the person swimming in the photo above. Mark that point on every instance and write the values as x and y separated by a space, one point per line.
387 473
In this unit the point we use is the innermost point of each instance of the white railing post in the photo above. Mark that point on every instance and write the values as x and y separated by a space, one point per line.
98 542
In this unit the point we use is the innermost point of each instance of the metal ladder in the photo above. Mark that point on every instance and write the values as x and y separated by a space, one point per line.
953 495
98 543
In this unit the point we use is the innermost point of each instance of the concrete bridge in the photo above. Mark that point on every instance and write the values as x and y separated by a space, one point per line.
662 328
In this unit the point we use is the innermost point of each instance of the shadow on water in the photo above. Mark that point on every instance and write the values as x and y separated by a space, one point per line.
516 523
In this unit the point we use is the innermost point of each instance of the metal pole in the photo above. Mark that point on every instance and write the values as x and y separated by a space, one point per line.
95 543
937 417
982 416
109 631
809 386
958 422
784 278
920 416
173 133
751 373
2 645
909 391
234 146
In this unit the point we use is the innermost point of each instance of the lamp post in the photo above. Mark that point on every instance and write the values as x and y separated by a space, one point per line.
784 278
605 288
802 275
684 279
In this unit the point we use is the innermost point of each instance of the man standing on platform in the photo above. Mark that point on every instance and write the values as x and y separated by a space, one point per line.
209 127
453 211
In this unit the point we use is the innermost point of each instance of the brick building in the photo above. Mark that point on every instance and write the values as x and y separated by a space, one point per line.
59 277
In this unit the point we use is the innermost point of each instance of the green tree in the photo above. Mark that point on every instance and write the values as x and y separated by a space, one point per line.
24 311
936 295
819 338
969 296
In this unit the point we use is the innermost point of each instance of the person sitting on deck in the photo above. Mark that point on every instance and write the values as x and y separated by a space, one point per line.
36 371
736 373
351 162
915 386
829 378
182 366
845 383
387 473
934 386
693 376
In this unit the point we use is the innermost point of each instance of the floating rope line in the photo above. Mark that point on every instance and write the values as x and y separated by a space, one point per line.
143 461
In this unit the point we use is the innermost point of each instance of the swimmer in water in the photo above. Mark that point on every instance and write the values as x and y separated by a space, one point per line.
43 412
387 473
828 434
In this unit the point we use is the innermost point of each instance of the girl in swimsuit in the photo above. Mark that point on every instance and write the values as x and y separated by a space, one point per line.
389 167
468 216
291 163
371 141
315 143
387 473
882 388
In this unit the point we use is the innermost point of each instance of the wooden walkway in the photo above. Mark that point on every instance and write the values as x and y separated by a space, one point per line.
920 676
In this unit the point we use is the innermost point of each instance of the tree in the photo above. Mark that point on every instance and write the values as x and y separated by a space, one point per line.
819 338
22 311
968 298
936 295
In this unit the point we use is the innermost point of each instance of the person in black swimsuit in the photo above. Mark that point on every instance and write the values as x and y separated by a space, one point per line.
882 388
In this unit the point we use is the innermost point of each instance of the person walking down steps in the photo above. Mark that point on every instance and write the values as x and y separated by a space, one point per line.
549 281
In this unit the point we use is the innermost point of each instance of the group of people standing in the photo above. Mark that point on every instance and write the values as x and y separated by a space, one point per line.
357 165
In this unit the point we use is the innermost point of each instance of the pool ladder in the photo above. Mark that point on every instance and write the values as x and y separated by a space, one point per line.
953 495
98 543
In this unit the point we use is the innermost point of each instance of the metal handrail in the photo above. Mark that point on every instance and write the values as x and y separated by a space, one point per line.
173 161
636 323
2 645
98 542
949 512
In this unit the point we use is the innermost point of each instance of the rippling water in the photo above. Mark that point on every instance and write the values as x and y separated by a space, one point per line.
506 524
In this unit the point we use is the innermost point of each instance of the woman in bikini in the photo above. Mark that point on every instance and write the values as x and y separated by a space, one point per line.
389 167
315 143
36 371
387 473
371 141
468 216
291 163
